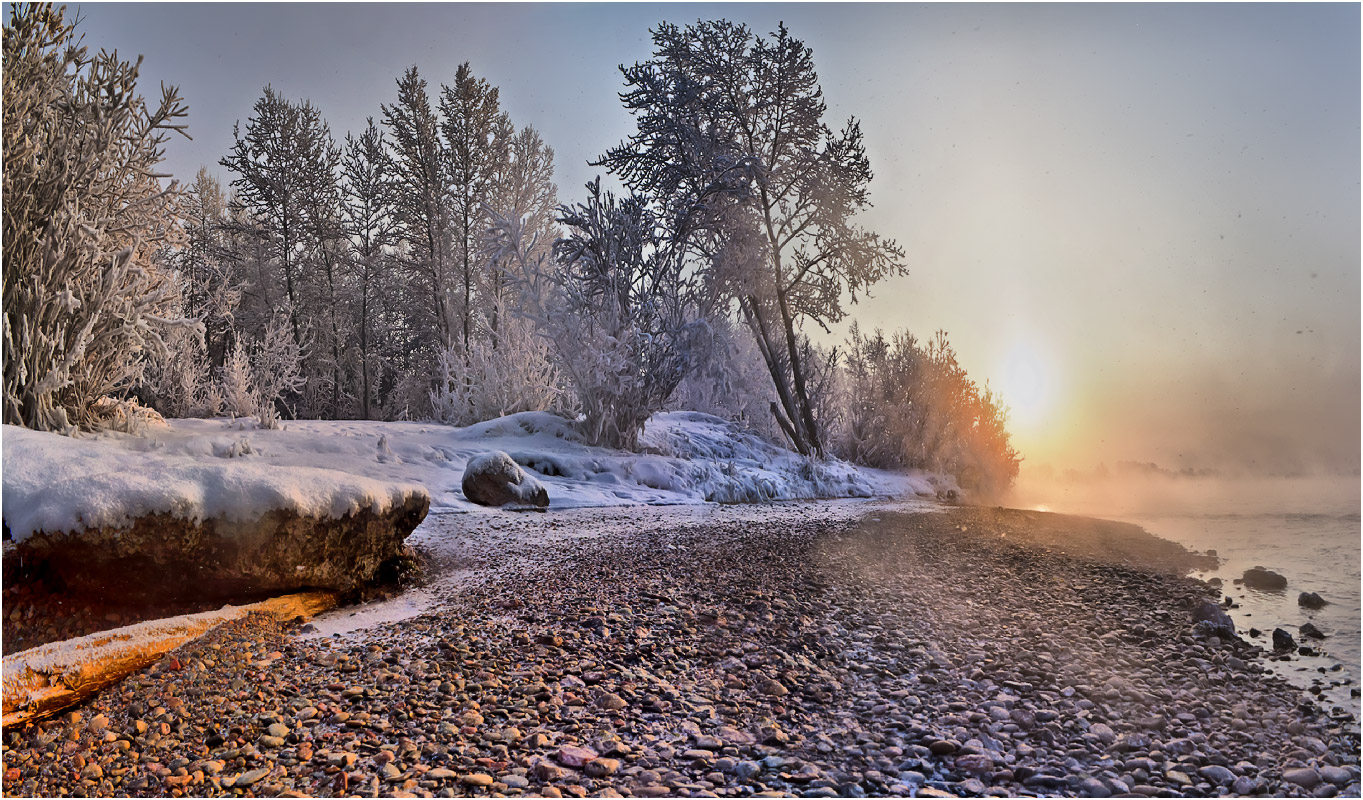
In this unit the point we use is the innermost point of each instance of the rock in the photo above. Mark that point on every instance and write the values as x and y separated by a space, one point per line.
92 772
611 701
601 767
745 770
1339 776
279 552
1282 640
1092 787
575 757
1309 631
1104 732
1217 774
250 777
772 687
476 779
1244 785
1310 600
494 479
1304 777
440 774
1266 579
1207 611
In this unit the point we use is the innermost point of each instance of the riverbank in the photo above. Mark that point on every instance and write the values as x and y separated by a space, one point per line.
809 649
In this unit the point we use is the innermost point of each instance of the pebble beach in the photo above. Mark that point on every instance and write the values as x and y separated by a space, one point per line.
814 649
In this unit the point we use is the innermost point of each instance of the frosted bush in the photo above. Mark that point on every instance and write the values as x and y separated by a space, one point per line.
84 213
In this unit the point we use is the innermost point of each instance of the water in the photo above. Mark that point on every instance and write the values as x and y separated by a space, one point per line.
1307 530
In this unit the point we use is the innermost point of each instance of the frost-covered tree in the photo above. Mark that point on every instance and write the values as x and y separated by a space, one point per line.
732 149
85 212
209 289
327 279
286 164
508 367
523 191
236 391
911 405
422 214
515 371
729 380
476 137
368 215
270 164
616 308
276 369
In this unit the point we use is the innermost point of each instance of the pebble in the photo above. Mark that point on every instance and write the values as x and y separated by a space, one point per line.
1305 777
1217 774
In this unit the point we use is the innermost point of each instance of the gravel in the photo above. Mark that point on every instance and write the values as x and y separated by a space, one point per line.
727 652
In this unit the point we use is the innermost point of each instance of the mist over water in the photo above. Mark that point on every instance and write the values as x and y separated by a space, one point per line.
1305 528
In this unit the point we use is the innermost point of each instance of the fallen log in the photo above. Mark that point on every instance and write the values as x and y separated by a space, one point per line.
40 682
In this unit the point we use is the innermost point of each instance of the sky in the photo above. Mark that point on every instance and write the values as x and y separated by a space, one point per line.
1140 223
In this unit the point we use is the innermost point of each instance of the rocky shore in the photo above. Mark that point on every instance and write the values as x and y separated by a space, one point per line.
803 650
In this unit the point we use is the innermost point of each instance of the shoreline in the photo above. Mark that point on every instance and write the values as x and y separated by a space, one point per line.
833 649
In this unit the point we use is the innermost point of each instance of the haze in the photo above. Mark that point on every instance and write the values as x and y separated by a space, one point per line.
1138 222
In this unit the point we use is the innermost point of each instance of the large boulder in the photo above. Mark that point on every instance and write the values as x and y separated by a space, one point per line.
161 556
495 479
1266 579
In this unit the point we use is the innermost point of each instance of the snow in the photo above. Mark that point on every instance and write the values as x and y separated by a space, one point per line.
59 483
198 468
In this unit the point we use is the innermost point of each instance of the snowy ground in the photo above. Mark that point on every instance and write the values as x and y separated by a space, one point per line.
197 468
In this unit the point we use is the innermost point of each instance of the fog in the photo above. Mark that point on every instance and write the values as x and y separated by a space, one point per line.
1131 490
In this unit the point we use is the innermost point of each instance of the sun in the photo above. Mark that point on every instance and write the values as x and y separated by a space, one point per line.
1026 383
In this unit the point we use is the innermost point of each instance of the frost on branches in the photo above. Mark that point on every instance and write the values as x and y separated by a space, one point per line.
84 213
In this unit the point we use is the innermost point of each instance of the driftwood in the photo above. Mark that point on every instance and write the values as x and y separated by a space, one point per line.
44 680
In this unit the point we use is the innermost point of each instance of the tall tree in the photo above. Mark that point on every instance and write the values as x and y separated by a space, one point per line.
369 223
269 167
286 165
421 209
477 134
210 294
732 147
326 255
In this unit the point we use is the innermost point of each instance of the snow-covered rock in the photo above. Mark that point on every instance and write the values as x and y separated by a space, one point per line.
121 514
493 479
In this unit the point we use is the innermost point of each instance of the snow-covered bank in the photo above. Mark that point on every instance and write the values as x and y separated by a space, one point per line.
59 483
203 468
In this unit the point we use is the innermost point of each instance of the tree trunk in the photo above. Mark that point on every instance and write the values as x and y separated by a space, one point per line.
752 313
797 374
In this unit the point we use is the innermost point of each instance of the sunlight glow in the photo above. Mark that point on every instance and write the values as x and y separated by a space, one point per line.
1026 383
